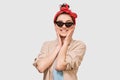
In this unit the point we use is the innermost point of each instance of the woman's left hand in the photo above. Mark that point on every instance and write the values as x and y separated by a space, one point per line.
69 36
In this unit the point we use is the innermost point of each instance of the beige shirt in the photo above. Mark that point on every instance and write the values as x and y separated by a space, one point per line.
75 53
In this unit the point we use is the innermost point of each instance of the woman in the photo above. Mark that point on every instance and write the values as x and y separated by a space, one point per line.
60 59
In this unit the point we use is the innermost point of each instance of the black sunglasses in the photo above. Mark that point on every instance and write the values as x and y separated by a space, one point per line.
67 24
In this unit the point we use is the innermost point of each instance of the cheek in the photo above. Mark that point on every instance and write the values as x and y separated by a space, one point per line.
57 28
72 27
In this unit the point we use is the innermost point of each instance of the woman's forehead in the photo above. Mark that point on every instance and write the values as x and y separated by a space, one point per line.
64 17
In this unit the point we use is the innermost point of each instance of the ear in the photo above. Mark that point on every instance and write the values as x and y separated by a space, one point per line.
74 25
54 25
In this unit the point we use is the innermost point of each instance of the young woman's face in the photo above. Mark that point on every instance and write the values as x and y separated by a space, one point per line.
63 29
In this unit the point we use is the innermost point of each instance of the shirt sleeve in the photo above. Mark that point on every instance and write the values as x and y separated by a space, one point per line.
43 52
75 56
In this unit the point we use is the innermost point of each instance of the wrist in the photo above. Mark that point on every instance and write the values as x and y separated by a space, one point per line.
66 44
58 48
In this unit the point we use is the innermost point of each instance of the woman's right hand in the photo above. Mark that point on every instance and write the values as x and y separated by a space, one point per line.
59 39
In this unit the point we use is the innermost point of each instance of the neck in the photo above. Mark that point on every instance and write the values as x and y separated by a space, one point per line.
62 39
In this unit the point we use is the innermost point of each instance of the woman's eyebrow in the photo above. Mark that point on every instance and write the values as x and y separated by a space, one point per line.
65 21
69 20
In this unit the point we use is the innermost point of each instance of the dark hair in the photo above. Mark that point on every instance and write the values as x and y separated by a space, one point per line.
64 5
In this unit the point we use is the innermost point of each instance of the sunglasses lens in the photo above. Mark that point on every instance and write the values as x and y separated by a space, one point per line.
68 24
59 23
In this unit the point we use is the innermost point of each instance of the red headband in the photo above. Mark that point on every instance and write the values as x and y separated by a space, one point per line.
65 9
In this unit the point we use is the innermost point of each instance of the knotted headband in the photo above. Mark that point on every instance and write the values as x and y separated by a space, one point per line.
65 9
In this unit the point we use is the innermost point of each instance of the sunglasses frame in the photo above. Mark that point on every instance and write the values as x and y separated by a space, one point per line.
67 24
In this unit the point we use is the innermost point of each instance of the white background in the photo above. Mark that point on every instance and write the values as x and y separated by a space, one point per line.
26 24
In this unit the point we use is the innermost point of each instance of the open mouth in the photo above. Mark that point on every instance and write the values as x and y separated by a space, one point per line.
63 30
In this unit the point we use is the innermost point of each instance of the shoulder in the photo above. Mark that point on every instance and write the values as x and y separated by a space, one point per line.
49 42
79 43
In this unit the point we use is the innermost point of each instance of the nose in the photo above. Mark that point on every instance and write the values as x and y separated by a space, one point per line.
64 26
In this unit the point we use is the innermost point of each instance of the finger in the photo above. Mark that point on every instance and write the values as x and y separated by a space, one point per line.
57 32
70 33
72 28
55 29
58 36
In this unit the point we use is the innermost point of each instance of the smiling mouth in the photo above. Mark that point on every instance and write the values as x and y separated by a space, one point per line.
63 30
62 36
